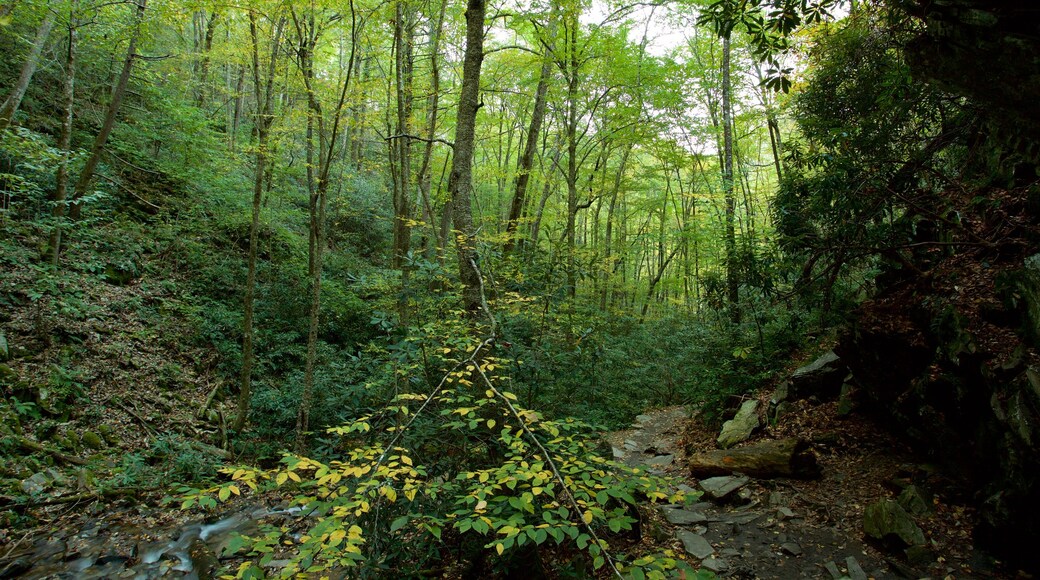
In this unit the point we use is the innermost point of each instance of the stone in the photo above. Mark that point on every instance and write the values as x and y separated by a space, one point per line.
778 404
631 445
785 513
833 570
740 519
660 460
714 564
681 517
821 378
919 555
37 483
915 500
5 351
846 400
741 426
92 440
643 419
720 488
695 545
618 454
886 520
791 548
855 570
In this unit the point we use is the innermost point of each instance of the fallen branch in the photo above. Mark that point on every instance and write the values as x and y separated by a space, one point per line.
35 447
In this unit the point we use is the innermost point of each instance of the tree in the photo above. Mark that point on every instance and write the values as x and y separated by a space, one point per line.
14 100
460 184
263 118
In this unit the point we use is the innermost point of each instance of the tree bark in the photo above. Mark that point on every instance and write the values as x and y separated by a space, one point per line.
32 61
65 139
461 176
264 89
779 458
109 122
523 170
732 275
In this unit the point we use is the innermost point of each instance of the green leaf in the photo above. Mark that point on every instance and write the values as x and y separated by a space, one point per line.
399 523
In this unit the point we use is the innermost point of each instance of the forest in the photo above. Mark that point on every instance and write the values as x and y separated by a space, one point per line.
519 289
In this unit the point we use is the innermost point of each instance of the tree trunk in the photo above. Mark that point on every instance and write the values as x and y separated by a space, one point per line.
779 458
425 175
14 100
65 139
109 122
264 89
523 170
207 46
460 179
732 279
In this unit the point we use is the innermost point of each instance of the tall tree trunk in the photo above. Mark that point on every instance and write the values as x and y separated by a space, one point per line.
523 170
328 138
732 279
402 146
207 46
460 181
118 92
609 261
14 100
263 88
65 139
425 176
572 154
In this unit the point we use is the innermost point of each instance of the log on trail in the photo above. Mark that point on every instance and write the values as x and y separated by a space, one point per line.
779 458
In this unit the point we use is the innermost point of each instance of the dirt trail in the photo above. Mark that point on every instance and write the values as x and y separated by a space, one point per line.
784 528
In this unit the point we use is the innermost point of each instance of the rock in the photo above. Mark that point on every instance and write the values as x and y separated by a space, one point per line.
791 548
779 458
92 440
719 488
5 351
203 560
695 545
887 520
740 519
660 460
108 434
740 427
915 501
832 568
855 571
846 400
778 404
919 556
785 513
618 454
36 484
714 564
643 419
631 445
681 517
822 378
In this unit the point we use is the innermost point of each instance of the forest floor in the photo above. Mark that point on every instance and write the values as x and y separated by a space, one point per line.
792 528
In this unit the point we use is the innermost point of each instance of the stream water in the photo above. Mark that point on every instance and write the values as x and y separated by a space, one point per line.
123 551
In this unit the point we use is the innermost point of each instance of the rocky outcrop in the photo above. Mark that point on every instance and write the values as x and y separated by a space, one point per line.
956 371
822 378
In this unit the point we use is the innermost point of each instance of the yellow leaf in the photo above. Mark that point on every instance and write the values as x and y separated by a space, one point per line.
281 477
337 536
587 517
234 489
491 423
294 477
391 494
536 490
406 460
223 494
481 505
499 548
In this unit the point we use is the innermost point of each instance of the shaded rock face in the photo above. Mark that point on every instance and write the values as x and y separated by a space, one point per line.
821 378
963 385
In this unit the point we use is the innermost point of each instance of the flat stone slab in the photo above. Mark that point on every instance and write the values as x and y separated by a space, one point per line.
695 545
618 454
791 548
719 488
681 517
740 519
855 570
715 564
661 460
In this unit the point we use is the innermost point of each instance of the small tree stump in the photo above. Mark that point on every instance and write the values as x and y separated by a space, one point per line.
780 458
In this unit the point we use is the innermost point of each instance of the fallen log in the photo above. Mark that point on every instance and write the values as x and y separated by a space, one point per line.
779 458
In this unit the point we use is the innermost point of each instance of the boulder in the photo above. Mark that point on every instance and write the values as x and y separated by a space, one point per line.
822 378
886 520
777 458
92 440
915 500
741 426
